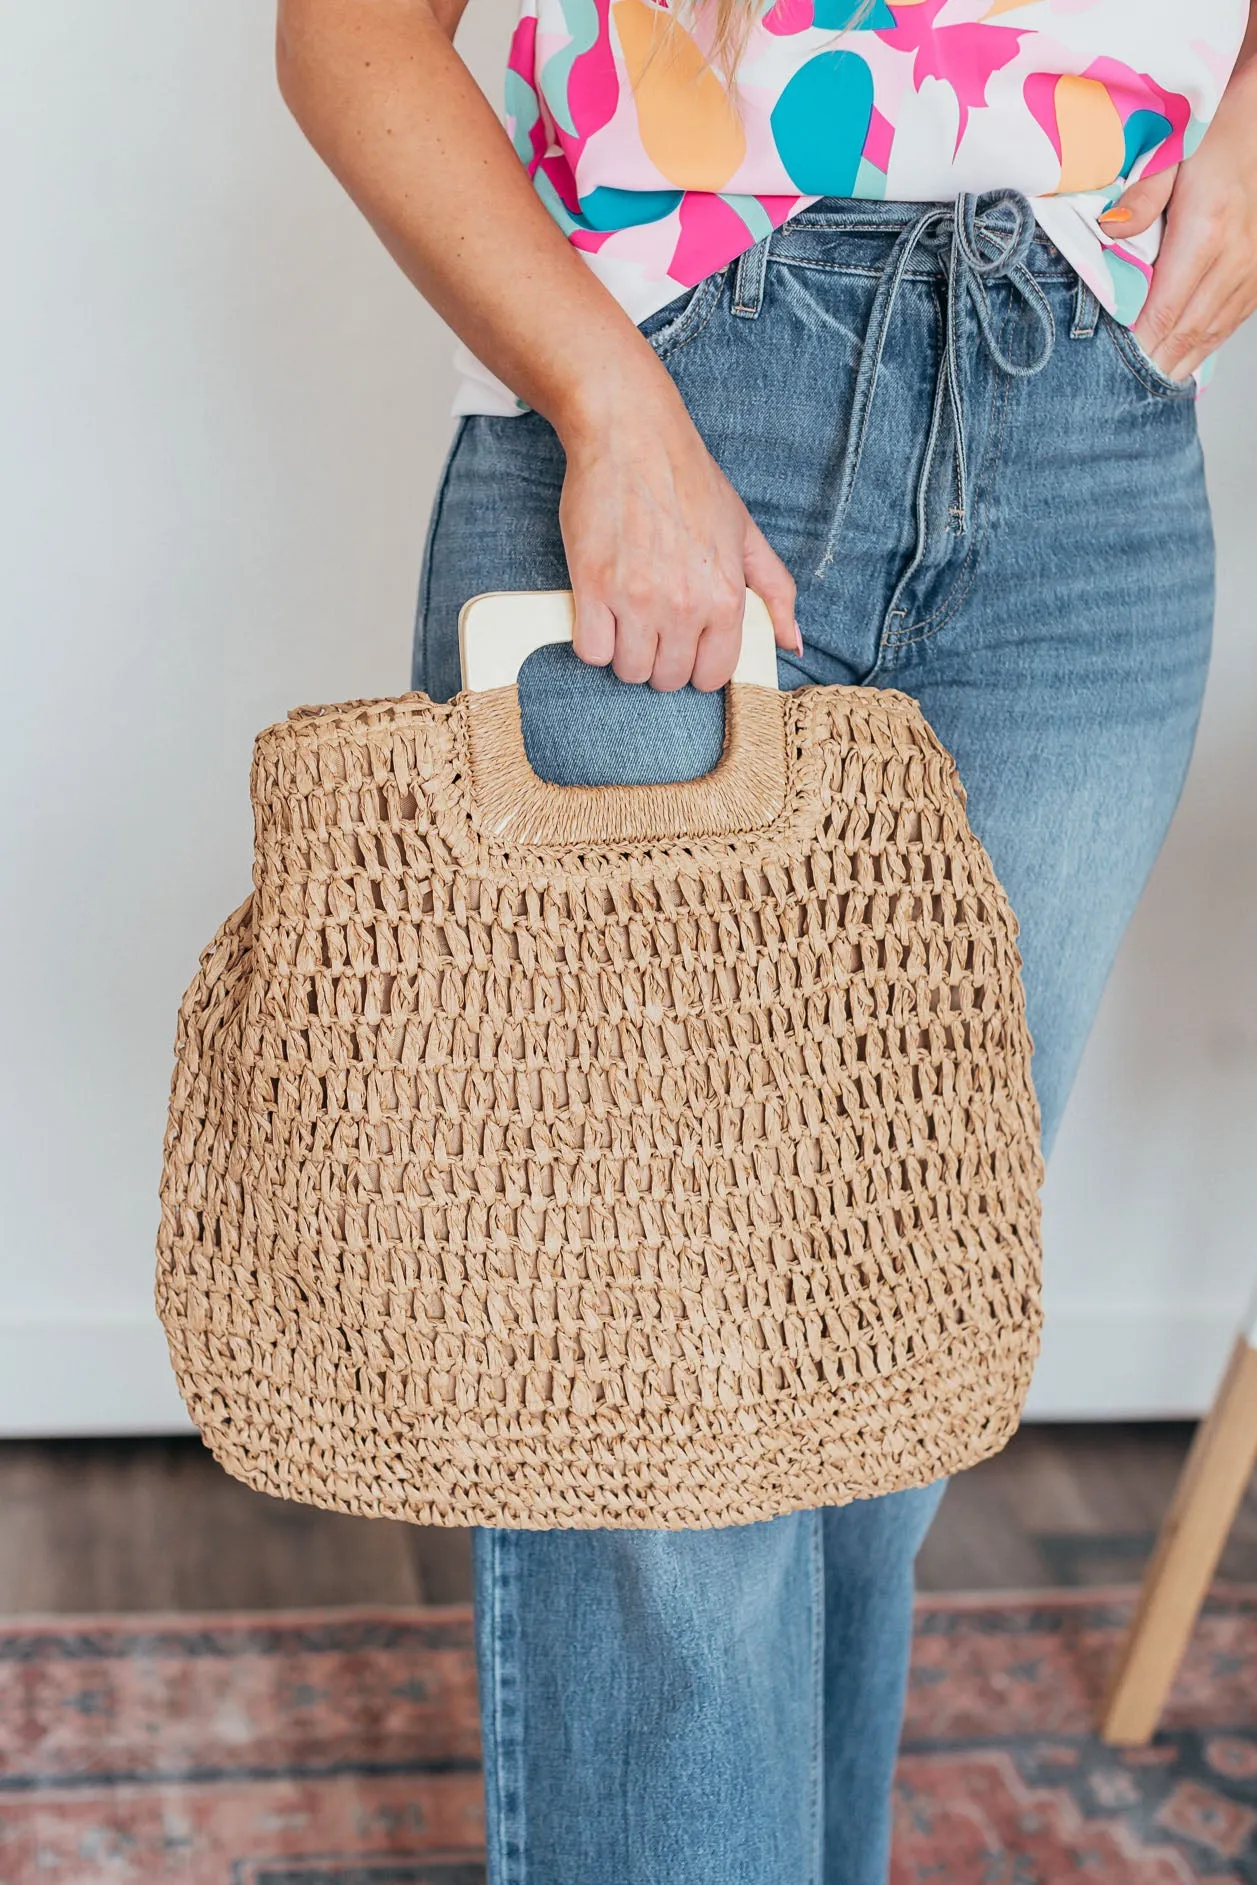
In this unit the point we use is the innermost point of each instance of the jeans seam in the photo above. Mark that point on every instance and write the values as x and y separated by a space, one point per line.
816 1790
958 594
419 654
508 1858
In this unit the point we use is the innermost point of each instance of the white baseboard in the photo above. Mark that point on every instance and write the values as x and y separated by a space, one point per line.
1157 1362
112 1376
75 1379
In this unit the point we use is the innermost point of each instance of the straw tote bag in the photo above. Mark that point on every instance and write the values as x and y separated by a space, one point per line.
662 1155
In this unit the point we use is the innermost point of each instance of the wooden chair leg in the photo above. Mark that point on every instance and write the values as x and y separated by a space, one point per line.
1212 1483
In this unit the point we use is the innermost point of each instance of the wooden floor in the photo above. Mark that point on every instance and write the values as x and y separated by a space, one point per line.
156 1525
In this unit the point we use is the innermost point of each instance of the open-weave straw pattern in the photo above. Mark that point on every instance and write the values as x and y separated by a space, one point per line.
663 1156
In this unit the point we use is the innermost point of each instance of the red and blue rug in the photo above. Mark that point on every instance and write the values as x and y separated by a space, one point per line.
339 1748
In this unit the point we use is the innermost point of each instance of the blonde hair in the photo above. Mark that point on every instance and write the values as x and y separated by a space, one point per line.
734 20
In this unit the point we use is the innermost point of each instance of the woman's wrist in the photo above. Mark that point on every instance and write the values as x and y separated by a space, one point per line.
629 387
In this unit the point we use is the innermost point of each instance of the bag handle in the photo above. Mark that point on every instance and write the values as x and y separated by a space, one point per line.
497 632
746 791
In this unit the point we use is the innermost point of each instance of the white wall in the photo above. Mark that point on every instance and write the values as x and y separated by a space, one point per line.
222 413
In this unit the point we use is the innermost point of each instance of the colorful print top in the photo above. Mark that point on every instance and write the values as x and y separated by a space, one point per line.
660 173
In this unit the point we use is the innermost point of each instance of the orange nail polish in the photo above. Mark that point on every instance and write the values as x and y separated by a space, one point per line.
1116 216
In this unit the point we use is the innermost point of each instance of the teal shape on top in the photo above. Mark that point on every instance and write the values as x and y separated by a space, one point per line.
870 182
605 208
837 15
522 109
821 120
1144 131
1130 288
581 19
752 212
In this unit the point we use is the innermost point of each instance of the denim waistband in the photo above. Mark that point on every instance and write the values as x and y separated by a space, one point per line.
856 216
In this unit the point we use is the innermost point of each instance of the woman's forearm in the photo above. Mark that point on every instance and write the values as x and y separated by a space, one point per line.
382 95
660 547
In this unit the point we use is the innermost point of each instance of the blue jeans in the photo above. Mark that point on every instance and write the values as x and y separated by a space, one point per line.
991 499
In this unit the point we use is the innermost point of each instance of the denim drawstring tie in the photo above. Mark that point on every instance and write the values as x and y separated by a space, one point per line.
981 248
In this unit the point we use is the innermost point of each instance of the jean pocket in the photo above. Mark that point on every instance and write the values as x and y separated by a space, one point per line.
685 317
1144 368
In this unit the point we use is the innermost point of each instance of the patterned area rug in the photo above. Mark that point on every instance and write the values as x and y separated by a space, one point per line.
339 1748
1002 1782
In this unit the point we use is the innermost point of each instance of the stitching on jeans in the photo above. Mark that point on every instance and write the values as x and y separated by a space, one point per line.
816 1802
750 279
1128 351
419 654
1086 313
692 319
517 1851
508 1853
493 1775
966 575
781 257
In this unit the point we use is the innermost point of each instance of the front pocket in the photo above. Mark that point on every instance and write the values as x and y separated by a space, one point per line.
682 319
1145 369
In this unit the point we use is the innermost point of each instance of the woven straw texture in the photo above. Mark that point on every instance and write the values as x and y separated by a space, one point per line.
547 1156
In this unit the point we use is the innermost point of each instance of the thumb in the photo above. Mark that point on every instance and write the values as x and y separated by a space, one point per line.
1138 207
768 576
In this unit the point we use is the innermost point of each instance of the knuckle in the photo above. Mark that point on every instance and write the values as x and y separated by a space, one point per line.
634 672
636 592
1159 322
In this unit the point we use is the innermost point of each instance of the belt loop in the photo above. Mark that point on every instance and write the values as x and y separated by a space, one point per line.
748 280
1086 313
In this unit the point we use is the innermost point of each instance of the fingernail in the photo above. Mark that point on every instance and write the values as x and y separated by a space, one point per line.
1117 216
798 639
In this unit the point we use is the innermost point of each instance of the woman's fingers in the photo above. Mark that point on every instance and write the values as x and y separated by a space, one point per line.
593 636
1199 326
636 644
721 640
768 576
1138 208
661 549
1188 253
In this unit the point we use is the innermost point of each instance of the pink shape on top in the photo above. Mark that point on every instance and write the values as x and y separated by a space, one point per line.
1133 91
1039 92
964 57
559 172
778 208
593 88
712 234
878 140
788 16
522 57
522 60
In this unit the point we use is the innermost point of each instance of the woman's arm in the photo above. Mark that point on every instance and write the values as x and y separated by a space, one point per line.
1205 279
659 545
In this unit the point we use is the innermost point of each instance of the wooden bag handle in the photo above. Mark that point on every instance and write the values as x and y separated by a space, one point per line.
497 633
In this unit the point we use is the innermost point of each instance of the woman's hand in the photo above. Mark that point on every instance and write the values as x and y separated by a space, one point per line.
1204 282
660 547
